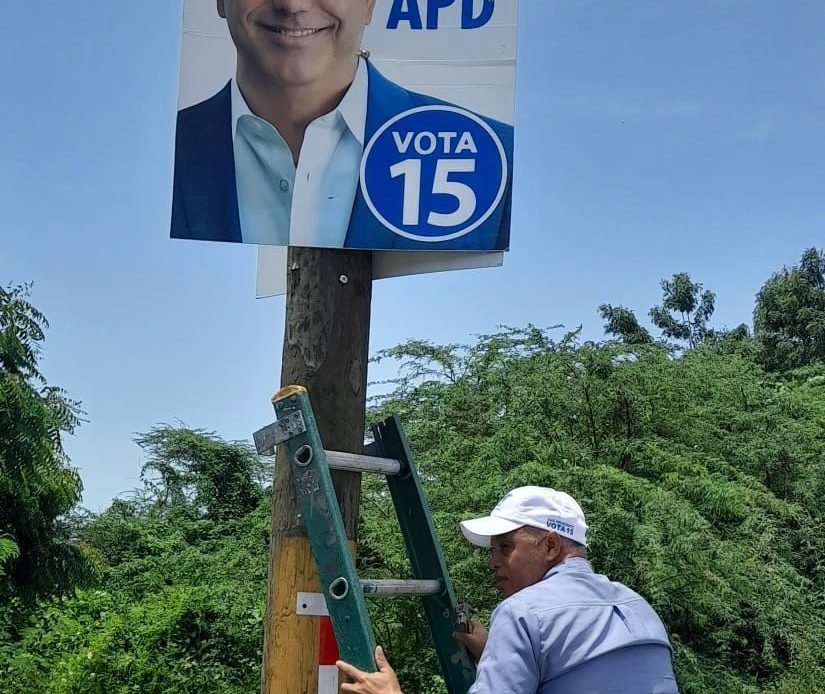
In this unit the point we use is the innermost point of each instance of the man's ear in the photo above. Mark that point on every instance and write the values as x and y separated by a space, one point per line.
553 546
221 9
370 10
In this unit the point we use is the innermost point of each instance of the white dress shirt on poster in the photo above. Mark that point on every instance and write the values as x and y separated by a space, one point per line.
309 204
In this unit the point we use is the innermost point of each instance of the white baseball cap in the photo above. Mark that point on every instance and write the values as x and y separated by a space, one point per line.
538 507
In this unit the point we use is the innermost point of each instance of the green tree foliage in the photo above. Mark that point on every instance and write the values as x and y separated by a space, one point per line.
37 485
701 472
789 318
179 606
685 310
8 551
198 471
622 323
702 479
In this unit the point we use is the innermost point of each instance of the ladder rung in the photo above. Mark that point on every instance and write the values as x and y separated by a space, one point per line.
338 460
393 586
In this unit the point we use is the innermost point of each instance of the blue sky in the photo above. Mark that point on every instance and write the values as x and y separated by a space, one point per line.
653 137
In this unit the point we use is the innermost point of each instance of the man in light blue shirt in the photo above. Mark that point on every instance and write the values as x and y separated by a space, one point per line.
561 628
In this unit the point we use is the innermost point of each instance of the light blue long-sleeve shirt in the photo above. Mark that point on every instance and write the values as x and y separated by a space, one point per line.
575 632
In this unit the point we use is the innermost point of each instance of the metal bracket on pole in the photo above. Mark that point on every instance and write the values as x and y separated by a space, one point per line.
287 427
311 605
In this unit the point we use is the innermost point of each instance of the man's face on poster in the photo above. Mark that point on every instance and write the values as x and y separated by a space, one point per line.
295 42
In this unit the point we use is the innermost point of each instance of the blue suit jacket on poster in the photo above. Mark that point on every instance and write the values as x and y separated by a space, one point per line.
205 200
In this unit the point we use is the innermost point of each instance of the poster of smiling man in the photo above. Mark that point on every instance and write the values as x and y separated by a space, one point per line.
369 124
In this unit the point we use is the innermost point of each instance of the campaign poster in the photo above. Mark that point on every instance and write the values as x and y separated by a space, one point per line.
368 124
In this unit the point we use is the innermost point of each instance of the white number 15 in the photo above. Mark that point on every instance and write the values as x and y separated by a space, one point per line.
410 169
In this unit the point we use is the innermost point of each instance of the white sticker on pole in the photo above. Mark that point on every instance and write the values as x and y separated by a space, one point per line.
327 679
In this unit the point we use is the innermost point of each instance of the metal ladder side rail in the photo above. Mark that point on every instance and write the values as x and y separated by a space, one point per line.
320 515
425 554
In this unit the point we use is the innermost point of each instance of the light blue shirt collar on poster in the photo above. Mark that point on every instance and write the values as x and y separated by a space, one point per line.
575 632
308 204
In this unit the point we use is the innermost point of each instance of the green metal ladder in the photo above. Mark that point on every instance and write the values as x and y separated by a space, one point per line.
343 591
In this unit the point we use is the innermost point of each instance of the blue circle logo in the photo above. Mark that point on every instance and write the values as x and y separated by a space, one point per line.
433 173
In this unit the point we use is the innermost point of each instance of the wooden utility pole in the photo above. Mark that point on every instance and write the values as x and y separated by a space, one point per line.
326 348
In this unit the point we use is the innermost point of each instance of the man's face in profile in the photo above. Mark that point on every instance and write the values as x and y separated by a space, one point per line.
296 42
519 559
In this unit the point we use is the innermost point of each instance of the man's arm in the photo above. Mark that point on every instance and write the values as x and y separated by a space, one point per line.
510 660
